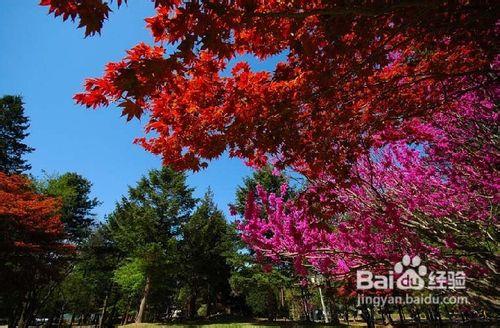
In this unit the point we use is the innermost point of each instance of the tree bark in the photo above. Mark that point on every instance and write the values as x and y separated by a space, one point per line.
368 316
388 315
111 318
49 322
334 314
448 314
13 317
307 314
326 315
192 302
125 317
401 315
437 314
142 306
26 312
61 316
23 319
209 300
104 309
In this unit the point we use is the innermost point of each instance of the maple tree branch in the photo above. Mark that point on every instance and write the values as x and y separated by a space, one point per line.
358 10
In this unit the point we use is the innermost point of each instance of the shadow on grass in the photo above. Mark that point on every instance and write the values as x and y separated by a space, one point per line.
233 324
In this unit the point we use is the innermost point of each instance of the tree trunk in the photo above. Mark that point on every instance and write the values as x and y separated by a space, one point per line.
401 315
415 313
72 321
191 311
307 314
85 318
49 322
23 320
334 314
209 300
125 317
13 317
437 314
323 306
26 312
61 317
448 314
111 318
388 315
80 320
368 316
142 306
272 305
104 309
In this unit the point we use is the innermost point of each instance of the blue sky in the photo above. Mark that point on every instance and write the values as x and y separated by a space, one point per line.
46 61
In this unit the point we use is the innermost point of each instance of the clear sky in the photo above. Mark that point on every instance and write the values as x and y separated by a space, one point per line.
46 61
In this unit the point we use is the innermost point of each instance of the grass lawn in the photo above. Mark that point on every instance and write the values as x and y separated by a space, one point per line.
231 325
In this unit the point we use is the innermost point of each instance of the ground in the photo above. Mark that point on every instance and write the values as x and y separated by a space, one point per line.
230 325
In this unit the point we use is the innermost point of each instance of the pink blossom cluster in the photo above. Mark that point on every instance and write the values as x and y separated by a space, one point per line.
429 195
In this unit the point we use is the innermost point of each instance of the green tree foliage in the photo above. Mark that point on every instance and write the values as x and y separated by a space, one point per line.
264 292
203 253
166 194
130 277
269 180
13 130
77 204
90 281
145 226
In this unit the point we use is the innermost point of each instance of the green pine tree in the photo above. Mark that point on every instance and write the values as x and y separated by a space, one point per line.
77 204
204 249
145 226
13 129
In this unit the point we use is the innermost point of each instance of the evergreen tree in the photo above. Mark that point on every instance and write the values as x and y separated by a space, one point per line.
13 126
77 204
265 177
204 249
145 226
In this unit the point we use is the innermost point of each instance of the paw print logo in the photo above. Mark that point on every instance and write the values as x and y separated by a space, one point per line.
411 272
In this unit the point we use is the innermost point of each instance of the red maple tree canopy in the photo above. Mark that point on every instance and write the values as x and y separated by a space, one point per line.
348 71
32 232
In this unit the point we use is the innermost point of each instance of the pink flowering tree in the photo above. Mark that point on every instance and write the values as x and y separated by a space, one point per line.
434 194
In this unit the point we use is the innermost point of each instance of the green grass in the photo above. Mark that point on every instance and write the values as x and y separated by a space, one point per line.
228 325
213 325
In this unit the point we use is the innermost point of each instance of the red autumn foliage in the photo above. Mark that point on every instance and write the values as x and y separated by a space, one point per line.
349 70
32 237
